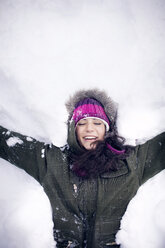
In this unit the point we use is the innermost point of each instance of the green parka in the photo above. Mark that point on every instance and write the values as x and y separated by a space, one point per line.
86 212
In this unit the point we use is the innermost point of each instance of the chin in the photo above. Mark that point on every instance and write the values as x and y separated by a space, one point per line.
90 147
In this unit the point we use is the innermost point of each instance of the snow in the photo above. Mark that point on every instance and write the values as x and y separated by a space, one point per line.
12 141
29 139
25 213
49 49
144 208
42 153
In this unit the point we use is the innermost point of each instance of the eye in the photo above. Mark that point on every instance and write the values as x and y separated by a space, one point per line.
97 123
81 124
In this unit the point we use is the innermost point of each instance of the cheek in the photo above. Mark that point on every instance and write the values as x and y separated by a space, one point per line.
102 132
78 133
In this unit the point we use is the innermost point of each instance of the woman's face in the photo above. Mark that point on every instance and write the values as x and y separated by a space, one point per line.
89 130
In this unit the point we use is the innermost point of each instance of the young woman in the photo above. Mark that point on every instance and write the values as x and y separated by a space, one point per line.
92 179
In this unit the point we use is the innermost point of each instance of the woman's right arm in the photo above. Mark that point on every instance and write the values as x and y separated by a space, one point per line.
24 152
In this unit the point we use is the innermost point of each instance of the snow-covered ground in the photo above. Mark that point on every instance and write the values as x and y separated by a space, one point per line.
49 49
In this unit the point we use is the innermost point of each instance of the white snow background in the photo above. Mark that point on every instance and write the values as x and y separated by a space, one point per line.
49 49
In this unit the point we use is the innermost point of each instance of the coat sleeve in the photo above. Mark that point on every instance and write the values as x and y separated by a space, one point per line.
24 152
151 157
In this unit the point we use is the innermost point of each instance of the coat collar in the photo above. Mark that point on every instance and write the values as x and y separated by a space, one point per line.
113 174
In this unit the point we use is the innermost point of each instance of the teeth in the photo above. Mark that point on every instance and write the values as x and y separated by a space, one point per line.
89 138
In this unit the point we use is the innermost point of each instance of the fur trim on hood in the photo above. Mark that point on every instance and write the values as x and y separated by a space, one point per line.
109 105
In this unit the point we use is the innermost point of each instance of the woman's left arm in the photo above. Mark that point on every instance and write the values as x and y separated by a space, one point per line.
154 157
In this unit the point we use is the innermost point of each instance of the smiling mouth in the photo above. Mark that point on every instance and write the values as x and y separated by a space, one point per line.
90 138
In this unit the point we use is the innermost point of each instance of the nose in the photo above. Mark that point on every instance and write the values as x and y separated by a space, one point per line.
89 127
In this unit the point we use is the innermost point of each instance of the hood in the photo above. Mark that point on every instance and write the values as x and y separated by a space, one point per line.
110 108
109 105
